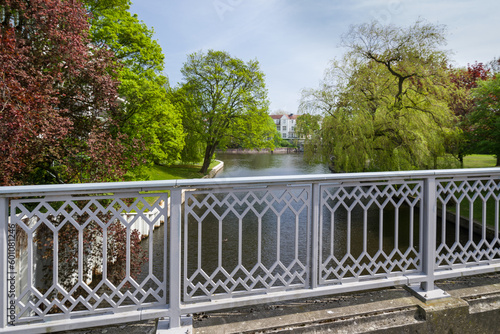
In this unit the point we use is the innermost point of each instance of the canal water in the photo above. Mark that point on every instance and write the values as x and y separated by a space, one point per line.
236 165
213 243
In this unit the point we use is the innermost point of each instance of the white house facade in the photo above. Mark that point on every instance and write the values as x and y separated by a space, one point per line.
285 124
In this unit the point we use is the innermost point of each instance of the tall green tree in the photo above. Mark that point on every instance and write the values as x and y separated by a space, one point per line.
147 114
308 127
224 99
386 102
485 119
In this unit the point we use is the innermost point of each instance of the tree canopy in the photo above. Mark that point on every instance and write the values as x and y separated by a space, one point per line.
223 99
386 101
462 104
147 114
57 98
485 119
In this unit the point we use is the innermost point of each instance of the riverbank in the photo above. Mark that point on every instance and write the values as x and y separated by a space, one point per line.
215 170
176 172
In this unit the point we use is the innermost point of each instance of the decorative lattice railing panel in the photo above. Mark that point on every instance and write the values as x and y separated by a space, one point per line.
85 254
239 242
77 258
468 222
369 230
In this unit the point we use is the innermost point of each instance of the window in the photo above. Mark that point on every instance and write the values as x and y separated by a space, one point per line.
284 128
283 135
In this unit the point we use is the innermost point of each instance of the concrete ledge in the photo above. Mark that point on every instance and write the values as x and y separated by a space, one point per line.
214 171
369 310
163 326
472 306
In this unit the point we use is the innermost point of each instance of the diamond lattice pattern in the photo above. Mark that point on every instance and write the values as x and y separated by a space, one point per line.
468 222
369 231
86 253
242 242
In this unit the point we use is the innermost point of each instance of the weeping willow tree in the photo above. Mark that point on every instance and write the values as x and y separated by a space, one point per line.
385 103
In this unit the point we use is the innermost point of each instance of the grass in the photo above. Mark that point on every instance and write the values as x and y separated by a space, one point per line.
174 172
479 161
477 208
470 161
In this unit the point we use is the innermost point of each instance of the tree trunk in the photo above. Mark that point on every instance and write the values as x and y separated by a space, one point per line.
498 160
209 152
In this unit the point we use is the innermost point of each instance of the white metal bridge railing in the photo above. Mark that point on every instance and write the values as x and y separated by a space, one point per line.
72 256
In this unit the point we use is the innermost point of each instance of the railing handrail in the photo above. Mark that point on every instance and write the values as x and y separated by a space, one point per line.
145 186
310 200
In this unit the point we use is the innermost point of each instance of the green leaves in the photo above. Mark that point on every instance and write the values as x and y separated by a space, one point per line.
130 39
58 96
147 114
386 102
485 119
224 100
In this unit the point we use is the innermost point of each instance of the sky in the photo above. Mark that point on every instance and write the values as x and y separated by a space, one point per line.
294 40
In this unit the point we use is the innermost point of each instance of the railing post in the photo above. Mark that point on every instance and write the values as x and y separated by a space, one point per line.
429 241
4 226
426 290
175 257
316 200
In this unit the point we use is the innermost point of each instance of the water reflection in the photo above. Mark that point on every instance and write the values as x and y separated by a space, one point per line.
236 165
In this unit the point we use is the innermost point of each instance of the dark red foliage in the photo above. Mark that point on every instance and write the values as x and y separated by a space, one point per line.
467 79
57 104
462 102
56 92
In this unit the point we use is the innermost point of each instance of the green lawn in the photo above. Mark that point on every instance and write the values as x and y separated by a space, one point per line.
159 172
174 172
479 161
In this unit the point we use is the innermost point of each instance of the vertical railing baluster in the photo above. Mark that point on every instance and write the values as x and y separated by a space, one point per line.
314 266
4 227
175 257
429 237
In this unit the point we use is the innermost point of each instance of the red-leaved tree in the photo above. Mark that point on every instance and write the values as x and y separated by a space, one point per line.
57 98
462 101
